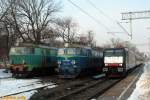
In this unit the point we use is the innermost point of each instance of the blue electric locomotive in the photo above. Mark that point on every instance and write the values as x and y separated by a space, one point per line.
73 62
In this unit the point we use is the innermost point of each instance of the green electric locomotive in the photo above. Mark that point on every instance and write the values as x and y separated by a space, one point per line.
32 59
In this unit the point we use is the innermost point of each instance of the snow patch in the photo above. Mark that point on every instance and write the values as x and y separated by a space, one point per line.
52 86
26 95
142 90
9 86
3 74
15 85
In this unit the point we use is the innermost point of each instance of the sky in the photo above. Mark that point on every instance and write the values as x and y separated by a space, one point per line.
110 13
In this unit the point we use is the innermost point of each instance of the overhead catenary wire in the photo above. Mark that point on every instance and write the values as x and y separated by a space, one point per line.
99 10
108 17
86 13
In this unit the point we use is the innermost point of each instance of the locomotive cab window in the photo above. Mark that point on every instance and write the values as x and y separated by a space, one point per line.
71 51
114 52
68 51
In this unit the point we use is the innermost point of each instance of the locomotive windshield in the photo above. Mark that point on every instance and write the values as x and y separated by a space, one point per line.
68 51
21 51
114 53
113 56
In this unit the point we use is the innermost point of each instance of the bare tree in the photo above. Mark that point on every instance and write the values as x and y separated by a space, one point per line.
28 20
91 40
119 43
6 23
31 18
66 29
116 42
90 36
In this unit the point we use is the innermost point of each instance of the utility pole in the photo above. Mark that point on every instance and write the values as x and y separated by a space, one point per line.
149 46
131 35
130 16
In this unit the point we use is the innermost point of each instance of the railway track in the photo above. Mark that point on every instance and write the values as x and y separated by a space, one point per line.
89 91
6 78
93 90
77 89
19 91
83 90
80 90
66 88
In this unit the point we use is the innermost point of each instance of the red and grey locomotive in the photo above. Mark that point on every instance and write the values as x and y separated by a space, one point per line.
117 61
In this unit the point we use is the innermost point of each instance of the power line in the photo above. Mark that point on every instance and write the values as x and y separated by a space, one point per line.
123 29
86 13
101 12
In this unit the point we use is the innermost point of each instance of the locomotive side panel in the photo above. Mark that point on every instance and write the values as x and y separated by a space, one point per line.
132 60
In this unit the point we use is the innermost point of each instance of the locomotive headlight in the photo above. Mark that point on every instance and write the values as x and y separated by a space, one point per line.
120 64
106 64
59 62
73 62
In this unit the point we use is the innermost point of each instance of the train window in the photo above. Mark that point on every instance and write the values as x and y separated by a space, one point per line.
37 51
93 53
96 54
89 53
53 52
21 50
71 51
43 51
109 52
84 52
29 50
65 51
61 51
47 52
78 51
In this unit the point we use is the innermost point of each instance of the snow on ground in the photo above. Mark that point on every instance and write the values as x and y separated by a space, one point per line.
3 74
14 85
142 90
8 86
25 95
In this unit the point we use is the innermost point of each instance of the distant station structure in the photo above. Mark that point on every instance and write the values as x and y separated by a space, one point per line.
130 16
134 16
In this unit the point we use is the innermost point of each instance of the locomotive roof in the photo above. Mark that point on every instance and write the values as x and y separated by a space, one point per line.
38 46
116 48
78 47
